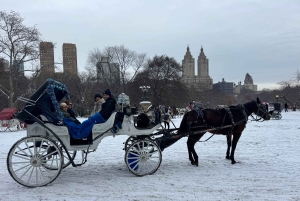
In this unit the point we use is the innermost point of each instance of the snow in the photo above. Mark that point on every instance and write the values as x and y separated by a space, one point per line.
268 169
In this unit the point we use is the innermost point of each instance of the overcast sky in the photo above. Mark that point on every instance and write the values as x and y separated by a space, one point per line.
261 38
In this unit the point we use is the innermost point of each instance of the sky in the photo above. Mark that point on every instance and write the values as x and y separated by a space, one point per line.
267 170
252 36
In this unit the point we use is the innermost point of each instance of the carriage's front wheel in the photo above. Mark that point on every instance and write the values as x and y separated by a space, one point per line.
130 140
143 157
29 163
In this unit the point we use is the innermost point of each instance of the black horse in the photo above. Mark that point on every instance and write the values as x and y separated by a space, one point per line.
229 121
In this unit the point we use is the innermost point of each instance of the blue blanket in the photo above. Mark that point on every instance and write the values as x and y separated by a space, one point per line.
83 130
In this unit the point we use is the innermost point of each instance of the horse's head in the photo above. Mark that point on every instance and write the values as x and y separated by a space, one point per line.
262 110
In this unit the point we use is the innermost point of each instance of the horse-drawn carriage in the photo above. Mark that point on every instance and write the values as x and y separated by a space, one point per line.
50 146
8 120
275 110
38 159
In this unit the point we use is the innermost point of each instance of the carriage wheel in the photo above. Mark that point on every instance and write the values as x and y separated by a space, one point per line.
29 164
277 117
129 142
280 116
143 157
133 139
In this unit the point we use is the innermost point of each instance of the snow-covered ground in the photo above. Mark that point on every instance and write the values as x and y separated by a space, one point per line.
268 169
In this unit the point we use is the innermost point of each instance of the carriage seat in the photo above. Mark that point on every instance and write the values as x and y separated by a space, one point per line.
47 119
149 126
143 122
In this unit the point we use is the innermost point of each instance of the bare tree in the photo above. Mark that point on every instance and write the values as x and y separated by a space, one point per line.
123 64
94 57
163 73
19 43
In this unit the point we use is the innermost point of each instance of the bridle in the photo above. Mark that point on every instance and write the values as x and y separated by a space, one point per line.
261 109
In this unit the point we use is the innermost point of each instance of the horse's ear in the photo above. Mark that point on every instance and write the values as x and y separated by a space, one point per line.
257 100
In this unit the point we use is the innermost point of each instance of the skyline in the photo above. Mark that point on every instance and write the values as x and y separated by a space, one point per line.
259 38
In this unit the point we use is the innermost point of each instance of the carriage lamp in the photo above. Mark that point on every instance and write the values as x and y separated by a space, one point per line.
145 89
277 98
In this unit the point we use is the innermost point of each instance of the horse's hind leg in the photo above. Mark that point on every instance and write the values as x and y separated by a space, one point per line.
228 137
235 140
192 153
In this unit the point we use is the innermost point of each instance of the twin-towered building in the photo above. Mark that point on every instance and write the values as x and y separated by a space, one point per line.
203 81
69 58
189 77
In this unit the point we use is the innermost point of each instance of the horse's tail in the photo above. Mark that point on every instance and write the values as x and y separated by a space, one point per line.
183 124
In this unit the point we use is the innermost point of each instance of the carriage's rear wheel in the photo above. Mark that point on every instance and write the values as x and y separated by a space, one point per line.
143 157
29 163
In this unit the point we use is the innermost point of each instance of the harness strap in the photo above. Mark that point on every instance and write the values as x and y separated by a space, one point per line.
242 108
230 115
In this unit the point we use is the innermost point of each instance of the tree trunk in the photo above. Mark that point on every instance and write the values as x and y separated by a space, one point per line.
11 86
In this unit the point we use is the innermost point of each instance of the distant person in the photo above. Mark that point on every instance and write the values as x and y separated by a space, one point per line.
166 120
98 103
157 115
191 106
286 107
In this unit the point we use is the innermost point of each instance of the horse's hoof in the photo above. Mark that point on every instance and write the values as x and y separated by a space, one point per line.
227 157
196 164
233 162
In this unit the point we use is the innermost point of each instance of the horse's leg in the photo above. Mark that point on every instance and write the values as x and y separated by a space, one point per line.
193 156
190 145
235 140
228 137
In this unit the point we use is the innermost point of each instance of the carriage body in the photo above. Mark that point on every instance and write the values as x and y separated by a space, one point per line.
38 159
128 128
275 110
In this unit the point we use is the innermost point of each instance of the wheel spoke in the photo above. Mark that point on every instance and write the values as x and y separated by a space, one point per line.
30 175
22 156
143 157
21 168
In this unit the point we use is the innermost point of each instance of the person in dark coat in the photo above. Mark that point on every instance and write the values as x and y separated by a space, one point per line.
157 114
109 105
286 107
83 130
